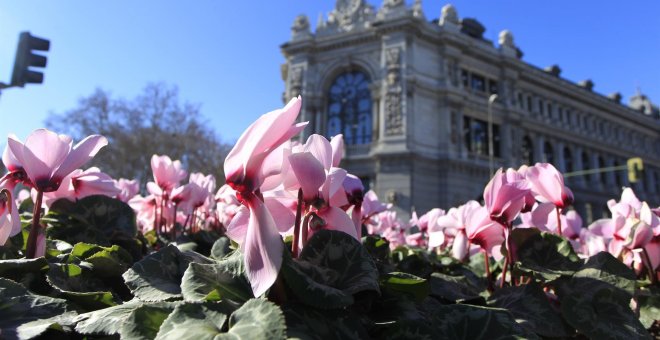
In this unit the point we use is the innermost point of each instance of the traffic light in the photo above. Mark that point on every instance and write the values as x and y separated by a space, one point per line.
26 59
635 168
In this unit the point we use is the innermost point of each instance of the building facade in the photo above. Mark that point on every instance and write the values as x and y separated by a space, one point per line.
411 97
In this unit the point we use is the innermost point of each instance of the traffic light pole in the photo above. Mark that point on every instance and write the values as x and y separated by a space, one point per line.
634 166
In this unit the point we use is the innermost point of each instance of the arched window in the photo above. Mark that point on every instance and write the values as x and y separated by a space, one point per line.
568 160
349 108
527 151
547 153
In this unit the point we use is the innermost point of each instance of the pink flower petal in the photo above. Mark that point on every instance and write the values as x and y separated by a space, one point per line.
309 172
262 249
337 219
81 154
320 147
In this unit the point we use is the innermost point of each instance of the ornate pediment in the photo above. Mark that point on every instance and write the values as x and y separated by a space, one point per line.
348 15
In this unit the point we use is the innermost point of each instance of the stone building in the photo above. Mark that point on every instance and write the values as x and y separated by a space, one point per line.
411 96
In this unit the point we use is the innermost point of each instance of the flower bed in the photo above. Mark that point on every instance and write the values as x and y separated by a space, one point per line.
292 246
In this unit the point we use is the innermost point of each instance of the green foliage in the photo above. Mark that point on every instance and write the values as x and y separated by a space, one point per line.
100 278
157 277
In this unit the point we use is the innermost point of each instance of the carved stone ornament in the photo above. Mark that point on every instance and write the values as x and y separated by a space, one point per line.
449 15
506 39
300 23
296 82
349 14
394 93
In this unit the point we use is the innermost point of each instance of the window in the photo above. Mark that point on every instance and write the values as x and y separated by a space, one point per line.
492 86
521 101
349 108
550 113
465 78
529 103
568 160
527 151
476 136
548 157
478 83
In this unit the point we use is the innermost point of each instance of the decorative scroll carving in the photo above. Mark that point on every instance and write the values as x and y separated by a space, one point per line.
393 96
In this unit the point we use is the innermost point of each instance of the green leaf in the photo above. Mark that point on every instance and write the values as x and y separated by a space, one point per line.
224 280
106 321
107 261
57 247
37 328
104 213
157 277
79 285
472 322
604 269
308 282
145 321
416 287
18 306
548 256
256 319
28 272
221 248
377 246
14 269
648 301
194 321
530 307
354 270
94 219
603 314
455 288
304 322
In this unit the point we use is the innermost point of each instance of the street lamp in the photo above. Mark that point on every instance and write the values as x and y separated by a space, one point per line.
491 100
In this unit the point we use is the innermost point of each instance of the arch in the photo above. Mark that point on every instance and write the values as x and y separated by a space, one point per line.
349 107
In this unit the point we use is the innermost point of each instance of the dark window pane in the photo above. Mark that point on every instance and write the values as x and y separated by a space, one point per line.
349 108
527 151
478 83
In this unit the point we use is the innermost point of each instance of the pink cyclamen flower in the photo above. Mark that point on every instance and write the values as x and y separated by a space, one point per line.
127 188
48 157
503 198
80 184
262 245
167 173
547 183
10 223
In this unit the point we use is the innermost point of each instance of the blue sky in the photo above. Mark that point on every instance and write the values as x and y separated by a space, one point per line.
225 55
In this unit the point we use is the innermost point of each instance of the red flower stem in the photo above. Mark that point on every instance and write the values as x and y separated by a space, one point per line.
36 227
156 219
296 228
173 231
558 221
305 226
504 269
649 266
